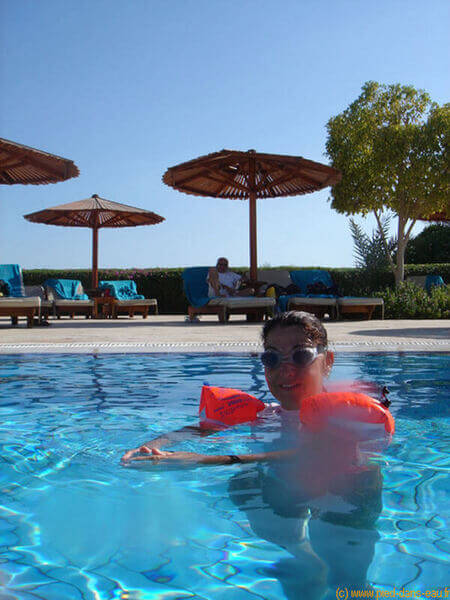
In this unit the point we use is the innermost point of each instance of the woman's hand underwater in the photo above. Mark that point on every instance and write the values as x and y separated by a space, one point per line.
130 454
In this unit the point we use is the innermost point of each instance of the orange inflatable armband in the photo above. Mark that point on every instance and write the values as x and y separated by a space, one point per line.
352 414
226 406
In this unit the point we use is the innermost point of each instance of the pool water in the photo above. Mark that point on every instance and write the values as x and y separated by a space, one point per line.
74 524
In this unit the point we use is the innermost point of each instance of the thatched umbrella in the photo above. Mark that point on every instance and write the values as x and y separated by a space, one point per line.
94 212
22 164
439 217
250 175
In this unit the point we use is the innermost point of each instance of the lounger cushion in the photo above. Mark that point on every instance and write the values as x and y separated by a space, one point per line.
311 301
9 302
139 302
353 301
79 303
243 302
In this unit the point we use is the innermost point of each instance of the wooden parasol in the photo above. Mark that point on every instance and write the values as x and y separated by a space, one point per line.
94 212
250 175
440 217
21 164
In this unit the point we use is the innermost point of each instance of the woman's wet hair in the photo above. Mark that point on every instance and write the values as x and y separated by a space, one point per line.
314 331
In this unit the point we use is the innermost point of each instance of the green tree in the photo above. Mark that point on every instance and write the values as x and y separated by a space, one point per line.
392 147
432 245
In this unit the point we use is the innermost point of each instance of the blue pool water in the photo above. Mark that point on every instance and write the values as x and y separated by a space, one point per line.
74 524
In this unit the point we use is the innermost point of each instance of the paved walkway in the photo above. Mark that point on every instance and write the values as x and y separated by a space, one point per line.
171 333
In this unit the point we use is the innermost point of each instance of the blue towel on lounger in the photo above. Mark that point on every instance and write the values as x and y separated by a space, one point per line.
195 286
302 279
66 289
433 280
12 276
122 290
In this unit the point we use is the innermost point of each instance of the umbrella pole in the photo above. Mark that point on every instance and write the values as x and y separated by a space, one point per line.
94 258
252 216
253 258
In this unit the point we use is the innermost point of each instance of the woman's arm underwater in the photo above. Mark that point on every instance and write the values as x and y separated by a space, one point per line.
156 456
167 439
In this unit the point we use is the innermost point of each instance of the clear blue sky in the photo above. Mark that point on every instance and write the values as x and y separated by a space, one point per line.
129 88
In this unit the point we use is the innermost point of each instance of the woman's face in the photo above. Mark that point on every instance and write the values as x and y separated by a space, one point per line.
289 383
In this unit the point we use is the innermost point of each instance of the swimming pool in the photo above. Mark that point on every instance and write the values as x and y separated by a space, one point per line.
74 524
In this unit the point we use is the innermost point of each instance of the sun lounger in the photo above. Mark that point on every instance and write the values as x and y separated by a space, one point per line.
331 303
125 299
281 278
68 297
364 306
21 301
315 305
318 304
20 307
196 290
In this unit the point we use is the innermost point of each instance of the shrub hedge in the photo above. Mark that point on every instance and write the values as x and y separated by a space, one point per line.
166 285
409 301
359 282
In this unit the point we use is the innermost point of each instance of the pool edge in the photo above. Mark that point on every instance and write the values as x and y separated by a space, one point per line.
201 347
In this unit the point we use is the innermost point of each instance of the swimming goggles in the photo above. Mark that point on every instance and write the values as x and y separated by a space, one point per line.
301 358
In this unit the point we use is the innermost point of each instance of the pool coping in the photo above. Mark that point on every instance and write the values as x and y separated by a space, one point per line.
204 347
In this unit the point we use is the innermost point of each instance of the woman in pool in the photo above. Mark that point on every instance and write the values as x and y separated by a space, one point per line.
296 361
309 494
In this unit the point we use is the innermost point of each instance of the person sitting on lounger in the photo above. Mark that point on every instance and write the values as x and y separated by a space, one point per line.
225 283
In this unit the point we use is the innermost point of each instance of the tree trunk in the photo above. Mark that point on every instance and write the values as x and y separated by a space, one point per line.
402 239
400 268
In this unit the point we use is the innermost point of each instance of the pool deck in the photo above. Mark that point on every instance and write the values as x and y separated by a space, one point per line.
170 333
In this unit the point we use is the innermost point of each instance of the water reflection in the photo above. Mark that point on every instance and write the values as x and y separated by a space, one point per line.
66 419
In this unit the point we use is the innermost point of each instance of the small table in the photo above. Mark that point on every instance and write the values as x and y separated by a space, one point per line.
103 307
